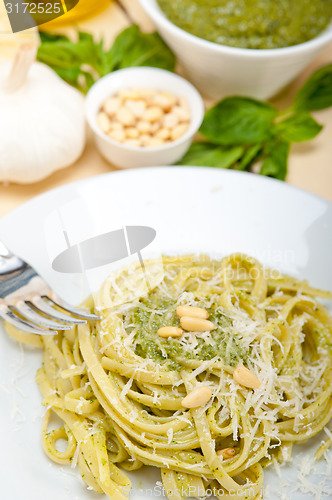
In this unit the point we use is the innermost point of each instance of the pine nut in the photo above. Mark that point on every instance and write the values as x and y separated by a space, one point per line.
117 135
245 377
153 114
162 133
125 116
178 131
145 139
116 126
132 133
196 324
170 331
103 122
226 453
143 126
182 114
170 120
155 127
198 397
170 97
136 107
192 312
164 101
150 116
112 105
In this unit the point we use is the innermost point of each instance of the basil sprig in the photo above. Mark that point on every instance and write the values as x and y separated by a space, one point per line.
82 62
241 131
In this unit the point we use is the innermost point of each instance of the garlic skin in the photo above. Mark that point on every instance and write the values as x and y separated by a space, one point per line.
42 122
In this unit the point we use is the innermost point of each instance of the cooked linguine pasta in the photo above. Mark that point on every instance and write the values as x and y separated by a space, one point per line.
119 387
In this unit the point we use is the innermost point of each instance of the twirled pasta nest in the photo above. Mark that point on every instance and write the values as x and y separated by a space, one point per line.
119 387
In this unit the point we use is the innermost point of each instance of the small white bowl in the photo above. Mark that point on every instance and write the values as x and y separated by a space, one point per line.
126 156
219 70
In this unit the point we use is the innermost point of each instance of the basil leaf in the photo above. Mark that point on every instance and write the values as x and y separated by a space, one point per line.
134 48
205 154
249 157
316 93
238 120
61 54
67 54
121 45
89 80
83 36
275 163
70 75
297 128
46 36
67 58
130 48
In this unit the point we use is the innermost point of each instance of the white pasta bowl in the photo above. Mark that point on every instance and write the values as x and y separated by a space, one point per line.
123 155
220 70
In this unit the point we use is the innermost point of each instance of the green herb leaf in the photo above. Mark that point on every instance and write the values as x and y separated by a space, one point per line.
71 76
71 60
238 120
46 36
298 128
134 48
67 59
88 80
205 154
64 54
83 36
275 163
249 157
316 93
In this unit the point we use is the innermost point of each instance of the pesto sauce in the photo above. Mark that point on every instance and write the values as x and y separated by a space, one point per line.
251 24
166 352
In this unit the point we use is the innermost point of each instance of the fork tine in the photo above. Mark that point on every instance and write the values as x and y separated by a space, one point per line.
32 315
24 325
41 307
52 313
72 310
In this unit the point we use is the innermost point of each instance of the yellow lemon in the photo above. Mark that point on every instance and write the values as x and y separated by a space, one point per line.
83 10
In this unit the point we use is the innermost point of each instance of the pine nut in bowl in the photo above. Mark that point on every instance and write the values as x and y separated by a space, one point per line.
143 116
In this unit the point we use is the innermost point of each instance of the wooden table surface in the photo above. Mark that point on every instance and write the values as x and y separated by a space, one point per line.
310 164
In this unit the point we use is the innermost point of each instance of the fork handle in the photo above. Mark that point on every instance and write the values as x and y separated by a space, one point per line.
4 252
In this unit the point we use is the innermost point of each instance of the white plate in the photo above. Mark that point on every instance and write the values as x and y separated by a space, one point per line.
193 210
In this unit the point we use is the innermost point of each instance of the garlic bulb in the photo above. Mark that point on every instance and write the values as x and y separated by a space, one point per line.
42 124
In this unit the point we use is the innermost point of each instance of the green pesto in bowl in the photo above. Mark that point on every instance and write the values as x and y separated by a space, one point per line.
250 24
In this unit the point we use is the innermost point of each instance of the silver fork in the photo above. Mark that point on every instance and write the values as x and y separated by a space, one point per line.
28 302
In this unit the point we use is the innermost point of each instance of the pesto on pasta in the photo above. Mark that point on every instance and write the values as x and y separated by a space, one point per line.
119 387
